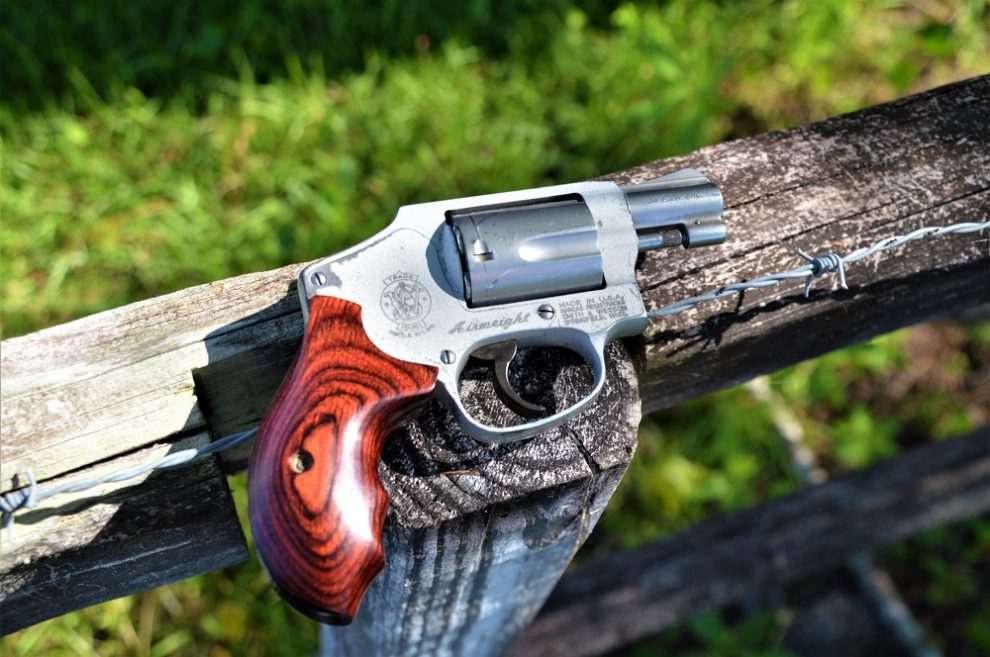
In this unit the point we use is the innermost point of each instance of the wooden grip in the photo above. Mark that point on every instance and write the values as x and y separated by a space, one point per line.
316 503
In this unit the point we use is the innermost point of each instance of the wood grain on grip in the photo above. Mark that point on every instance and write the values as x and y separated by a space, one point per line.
316 504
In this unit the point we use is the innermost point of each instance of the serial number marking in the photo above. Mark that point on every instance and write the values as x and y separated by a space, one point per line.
596 309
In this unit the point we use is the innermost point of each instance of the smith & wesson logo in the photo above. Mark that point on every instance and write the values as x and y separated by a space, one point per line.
407 303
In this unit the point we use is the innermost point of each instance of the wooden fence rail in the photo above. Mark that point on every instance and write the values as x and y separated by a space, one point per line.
475 534
634 594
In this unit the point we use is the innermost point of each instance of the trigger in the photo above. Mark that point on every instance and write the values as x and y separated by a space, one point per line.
502 353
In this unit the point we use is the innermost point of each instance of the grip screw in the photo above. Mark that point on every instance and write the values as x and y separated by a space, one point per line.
545 311
301 461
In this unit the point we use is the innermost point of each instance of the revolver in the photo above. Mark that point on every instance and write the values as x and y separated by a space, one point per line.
394 319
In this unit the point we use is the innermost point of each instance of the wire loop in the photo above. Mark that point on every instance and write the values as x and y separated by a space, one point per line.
13 501
822 265
27 497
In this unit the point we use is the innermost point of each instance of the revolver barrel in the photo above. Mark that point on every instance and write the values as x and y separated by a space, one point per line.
680 208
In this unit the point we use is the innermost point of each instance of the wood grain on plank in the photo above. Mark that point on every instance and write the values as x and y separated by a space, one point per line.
79 549
468 584
120 380
211 357
838 184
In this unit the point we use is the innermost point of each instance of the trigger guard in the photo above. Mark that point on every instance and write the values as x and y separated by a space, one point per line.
593 353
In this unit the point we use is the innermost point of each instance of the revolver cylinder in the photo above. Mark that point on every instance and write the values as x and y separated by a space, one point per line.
550 247
515 253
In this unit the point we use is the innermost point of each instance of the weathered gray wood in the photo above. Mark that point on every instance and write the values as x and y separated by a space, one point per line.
110 383
836 185
209 358
478 536
79 549
633 594
839 183
105 391
471 584
431 470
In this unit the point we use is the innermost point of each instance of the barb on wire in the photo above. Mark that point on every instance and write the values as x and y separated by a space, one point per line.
816 267
33 494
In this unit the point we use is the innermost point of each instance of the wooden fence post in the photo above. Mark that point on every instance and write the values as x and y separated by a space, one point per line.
475 550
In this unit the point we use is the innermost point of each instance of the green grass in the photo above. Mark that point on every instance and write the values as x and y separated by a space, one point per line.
134 164
178 50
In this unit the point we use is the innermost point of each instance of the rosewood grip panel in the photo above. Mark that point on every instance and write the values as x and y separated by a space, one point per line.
316 504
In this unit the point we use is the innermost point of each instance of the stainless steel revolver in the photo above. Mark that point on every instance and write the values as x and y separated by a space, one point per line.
397 317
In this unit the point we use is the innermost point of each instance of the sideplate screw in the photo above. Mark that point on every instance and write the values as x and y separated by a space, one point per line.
447 357
545 311
318 278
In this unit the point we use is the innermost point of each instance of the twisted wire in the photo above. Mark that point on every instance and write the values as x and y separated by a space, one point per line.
32 494
816 267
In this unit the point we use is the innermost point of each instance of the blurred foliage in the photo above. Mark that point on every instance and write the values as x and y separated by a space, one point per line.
179 49
709 635
110 201
147 147
944 578
853 407
716 453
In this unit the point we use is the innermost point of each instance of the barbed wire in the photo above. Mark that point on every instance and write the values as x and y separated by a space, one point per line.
816 267
32 494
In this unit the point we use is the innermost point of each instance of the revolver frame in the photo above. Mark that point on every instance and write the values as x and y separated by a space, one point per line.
433 289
